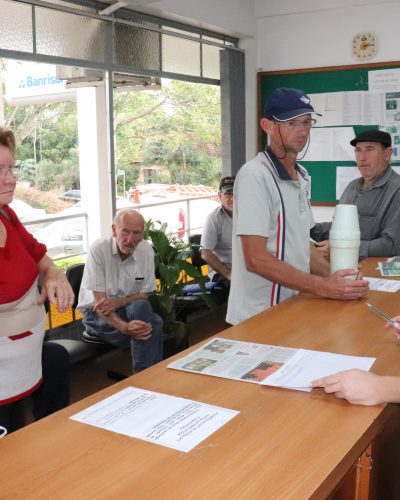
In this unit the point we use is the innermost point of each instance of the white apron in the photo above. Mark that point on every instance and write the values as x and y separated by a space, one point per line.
22 328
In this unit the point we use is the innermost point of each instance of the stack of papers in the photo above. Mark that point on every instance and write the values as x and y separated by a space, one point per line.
266 364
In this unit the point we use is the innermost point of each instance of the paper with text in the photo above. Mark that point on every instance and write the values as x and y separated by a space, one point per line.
306 366
260 363
382 284
170 421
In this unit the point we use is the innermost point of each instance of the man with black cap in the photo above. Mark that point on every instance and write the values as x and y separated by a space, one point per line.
377 197
216 240
272 257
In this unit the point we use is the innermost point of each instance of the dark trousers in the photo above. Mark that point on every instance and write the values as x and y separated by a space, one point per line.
52 395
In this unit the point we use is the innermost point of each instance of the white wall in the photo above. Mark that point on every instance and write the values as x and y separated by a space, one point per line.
319 33
232 17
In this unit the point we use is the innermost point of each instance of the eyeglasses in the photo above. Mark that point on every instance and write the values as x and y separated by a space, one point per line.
228 194
8 170
292 124
127 232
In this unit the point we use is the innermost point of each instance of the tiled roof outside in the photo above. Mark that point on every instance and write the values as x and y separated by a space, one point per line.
177 190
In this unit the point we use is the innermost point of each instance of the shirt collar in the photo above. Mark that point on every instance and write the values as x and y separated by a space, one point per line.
224 211
380 181
279 168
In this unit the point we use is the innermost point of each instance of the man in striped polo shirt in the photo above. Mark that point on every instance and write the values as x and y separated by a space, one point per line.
272 258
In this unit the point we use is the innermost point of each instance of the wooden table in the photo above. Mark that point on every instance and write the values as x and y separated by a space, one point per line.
283 445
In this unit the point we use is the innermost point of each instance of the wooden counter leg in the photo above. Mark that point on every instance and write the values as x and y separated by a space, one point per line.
356 483
363 474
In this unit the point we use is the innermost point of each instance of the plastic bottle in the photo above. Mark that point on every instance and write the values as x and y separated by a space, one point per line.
344 238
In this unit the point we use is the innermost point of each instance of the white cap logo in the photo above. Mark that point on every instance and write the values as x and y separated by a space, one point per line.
305 99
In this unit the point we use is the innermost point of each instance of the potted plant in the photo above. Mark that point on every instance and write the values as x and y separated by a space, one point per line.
173 272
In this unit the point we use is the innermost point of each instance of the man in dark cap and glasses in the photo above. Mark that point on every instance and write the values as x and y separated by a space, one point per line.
377 197
216 240
272 257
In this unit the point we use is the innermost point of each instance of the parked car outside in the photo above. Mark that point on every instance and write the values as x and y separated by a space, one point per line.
63 237
71 195
25 212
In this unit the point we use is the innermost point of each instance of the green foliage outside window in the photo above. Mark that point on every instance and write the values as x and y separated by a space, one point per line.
176 128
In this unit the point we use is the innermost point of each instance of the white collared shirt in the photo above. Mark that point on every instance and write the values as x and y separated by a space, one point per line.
105 271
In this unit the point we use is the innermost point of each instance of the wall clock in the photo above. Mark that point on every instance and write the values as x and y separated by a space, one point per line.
365 45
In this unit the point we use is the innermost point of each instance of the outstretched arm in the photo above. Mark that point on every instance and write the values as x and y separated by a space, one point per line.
258 260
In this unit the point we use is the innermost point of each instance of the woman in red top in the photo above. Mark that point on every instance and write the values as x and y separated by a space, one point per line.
23 261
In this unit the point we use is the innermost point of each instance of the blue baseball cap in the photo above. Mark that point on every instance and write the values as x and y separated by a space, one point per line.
286 103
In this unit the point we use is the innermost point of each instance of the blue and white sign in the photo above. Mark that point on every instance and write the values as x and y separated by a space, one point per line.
29 83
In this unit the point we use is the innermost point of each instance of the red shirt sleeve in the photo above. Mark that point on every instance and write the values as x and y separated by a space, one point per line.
18 259
35 249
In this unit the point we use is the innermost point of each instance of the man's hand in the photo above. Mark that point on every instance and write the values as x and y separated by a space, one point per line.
357 386
396 320
57 289
215 263
138 330
107 306
344 285
323 248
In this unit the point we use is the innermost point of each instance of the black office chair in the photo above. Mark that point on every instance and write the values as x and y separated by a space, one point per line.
191 301
74 275
196 257
77 350
219 292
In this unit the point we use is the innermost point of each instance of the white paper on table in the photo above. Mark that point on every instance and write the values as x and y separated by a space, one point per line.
382 284
306 366
170 421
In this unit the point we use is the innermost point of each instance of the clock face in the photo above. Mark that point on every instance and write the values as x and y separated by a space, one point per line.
365 45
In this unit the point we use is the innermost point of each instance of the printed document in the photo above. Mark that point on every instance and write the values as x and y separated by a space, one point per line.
382 284
266 364
170 421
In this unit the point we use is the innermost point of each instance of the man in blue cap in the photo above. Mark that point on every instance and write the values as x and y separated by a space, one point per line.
377 197
272 257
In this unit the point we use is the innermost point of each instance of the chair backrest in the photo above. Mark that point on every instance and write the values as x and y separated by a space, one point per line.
197 260
74 276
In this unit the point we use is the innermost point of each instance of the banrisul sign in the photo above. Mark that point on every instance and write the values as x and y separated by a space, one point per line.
29 83
42 81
